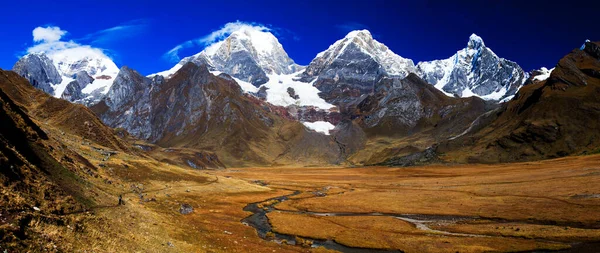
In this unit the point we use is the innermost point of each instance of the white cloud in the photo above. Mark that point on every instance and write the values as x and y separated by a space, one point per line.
48 41
48 34
215 36
66 47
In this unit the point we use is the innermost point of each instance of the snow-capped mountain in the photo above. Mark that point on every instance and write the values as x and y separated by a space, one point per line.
197 109
82 76
474 71
363 42
247 54
351 66
258 63
39 70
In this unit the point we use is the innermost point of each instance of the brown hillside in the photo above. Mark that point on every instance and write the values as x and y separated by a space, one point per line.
34 185
71 118
549 119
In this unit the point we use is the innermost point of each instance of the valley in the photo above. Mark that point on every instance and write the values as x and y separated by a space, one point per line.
238 148
442 208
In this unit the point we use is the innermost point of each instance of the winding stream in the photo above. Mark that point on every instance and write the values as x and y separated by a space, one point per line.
259 221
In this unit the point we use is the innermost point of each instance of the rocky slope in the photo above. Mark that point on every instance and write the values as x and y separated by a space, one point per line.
41 178
407 116
71 118
196 109
74 76
351 66
551 118
474 71
400 107
59 165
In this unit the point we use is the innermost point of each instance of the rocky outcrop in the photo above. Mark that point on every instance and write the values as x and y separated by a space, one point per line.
292 93
39 70
474 71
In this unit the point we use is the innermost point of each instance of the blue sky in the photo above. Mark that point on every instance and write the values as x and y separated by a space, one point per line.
139 33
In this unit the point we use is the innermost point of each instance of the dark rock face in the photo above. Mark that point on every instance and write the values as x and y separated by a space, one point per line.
349 77
129 99
475 70
243 66
349 137
39 70
292 93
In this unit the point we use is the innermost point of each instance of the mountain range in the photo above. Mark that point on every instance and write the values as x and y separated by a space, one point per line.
357 102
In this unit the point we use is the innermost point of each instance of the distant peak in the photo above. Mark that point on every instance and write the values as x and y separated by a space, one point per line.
475 41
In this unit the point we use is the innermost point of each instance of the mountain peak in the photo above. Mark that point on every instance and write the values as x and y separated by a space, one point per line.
360 33
262 41
475 42
474 71
362 42
248 53
53 72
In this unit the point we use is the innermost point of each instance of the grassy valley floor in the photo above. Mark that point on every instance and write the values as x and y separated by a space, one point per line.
546 205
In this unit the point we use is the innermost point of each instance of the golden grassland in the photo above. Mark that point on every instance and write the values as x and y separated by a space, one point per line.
518 207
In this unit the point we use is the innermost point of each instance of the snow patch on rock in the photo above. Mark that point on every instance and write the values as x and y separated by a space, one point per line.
319 126
545 74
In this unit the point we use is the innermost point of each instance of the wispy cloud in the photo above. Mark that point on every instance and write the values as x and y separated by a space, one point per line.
351 26
122 31
215 36
219 35
283 33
